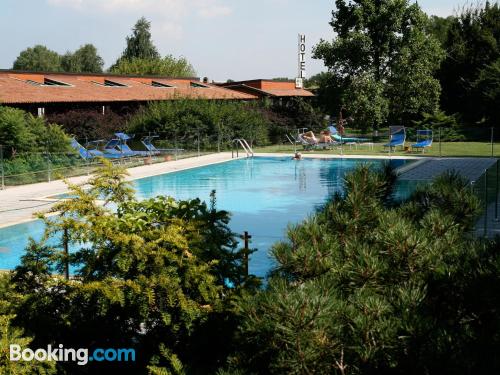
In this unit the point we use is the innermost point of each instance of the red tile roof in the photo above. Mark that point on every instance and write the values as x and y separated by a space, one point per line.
264 87
21 87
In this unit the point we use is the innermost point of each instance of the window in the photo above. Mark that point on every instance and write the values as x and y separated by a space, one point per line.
200 85
109 83
48 82
159 84
51 82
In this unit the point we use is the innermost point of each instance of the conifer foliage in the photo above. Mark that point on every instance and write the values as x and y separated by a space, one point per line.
367 287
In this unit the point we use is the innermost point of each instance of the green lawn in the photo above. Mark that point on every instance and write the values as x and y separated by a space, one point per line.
469 149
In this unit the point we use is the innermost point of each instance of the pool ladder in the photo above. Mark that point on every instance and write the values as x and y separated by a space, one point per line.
244 144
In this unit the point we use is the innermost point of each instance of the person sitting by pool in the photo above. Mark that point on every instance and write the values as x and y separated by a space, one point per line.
310 137
297 156
325 137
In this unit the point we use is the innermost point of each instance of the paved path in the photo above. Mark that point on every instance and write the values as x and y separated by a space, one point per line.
19 203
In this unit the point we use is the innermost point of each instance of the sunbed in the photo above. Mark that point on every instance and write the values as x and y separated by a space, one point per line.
339 138
397 137
424 140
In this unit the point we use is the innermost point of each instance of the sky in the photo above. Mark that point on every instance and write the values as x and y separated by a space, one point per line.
223 39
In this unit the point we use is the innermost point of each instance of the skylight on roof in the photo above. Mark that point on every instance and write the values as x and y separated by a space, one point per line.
109 83
196 84
48 82
52 82
159 84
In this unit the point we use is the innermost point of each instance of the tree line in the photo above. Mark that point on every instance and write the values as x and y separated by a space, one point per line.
390 63
140 56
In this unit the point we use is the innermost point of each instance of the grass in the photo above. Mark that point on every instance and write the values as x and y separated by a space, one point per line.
450 149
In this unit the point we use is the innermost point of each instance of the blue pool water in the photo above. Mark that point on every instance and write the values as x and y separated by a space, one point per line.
264 195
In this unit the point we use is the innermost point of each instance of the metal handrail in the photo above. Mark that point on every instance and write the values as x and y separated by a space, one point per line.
244 144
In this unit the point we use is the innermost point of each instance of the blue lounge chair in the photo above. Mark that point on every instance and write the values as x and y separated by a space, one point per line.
397 137
85 153
125 148
337 137
110 148
424 139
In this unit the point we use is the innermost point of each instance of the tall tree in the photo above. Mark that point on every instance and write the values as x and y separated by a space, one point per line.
83 60
381 38
473 43
139 44
39 58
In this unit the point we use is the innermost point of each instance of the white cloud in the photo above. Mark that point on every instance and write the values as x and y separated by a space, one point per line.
173 9
166 15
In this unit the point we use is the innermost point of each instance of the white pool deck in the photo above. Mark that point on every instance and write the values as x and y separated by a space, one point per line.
18 204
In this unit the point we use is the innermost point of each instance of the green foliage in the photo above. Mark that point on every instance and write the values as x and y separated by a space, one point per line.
216 122
166 66
83 60
473 43
11 335
439 26
367 102
439 120
487 88
38 58
139 44
141 57
149 275
386 40
364 287
22 132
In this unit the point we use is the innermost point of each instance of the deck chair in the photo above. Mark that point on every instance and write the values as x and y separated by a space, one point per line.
424 139
84 152
111 148
310 144
341 139
397 137
125 148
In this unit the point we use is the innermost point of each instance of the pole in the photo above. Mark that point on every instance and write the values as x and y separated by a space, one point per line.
49 177
198 142
492 134
496 194
66 253
485 232
246 252
1 167
440 142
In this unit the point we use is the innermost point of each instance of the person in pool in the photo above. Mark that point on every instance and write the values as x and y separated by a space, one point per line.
297 156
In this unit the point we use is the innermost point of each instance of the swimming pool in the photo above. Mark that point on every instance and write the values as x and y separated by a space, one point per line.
263 194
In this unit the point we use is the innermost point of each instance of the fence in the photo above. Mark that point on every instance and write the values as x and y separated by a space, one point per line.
487 189
477 142
45 165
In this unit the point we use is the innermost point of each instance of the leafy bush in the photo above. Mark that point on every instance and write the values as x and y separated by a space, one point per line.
152 275
90 124
22 132
216 122
439 120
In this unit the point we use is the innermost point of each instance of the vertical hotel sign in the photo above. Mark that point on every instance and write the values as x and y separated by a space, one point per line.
299 81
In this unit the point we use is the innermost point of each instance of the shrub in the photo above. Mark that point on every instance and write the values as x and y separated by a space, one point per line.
216 122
